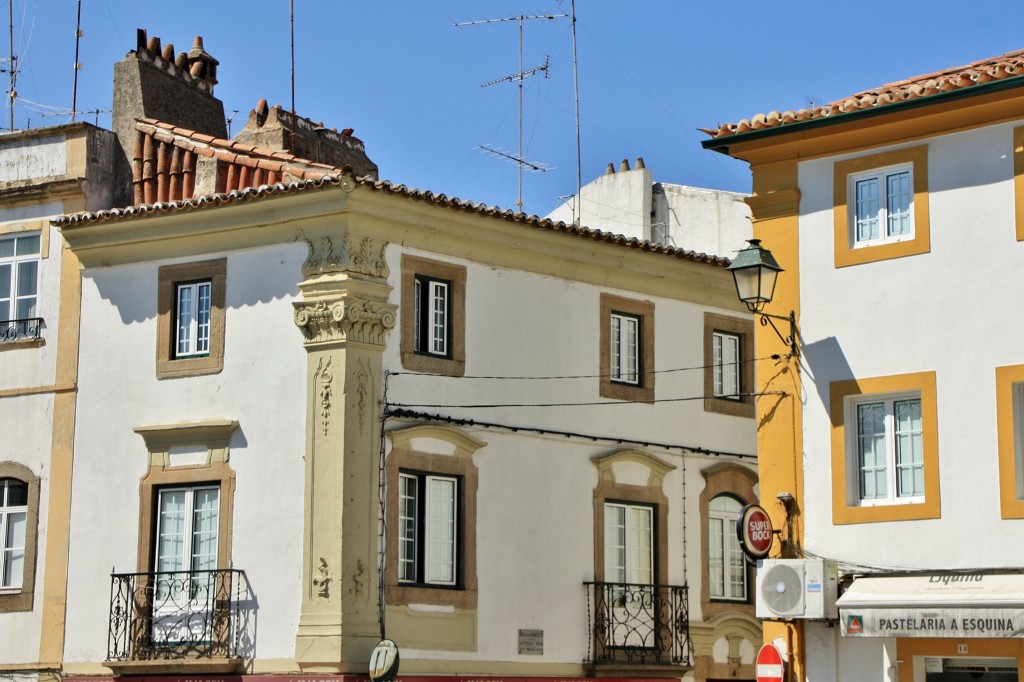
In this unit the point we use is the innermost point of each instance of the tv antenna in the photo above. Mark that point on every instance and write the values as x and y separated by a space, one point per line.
518 77
12 64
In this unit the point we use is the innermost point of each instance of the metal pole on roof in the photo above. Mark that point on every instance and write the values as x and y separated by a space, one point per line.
577 210
10 62
74 88
291 13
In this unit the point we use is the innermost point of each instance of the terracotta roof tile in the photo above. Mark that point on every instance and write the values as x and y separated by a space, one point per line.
84 219
1009 65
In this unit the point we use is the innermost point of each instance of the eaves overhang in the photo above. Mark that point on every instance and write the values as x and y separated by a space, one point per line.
723 143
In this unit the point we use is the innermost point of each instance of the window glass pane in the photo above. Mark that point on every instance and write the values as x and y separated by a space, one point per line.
614 544
871 450
205 522
641 564
5 281
6 248
28 275
716 558
17 493
909 448
13 549
185 295
867 209
408 490
203 318
27 246
632 349
441 530
737 566
898 200
724 503
439 317
171 531
616 347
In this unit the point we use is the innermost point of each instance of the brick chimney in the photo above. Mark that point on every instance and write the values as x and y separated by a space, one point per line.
279 130
151 82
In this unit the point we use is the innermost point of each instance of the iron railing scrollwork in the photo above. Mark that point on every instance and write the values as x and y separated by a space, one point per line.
178 615
638 624
15 330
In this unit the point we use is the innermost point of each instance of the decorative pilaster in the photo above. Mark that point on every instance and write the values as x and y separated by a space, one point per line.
344 317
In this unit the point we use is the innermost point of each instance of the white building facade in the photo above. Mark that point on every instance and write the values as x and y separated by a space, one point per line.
897 216
342 411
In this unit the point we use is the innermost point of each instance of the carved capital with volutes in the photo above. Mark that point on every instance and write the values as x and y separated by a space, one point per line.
344 253
344 319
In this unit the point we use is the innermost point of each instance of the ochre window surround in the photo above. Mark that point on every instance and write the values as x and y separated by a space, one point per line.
167 365
610 488
459 465
1010 439
455 364
744 329
723 479
644 310
20 599
845 509
845 253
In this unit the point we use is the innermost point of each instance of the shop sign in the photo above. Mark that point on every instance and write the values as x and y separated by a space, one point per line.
952 622
754 532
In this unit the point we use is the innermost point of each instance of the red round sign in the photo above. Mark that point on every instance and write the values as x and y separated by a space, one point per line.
754 530
769 664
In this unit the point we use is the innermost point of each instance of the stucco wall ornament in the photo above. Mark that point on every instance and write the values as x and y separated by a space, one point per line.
322 581
345 318
342 254
359 577
363 376
323 378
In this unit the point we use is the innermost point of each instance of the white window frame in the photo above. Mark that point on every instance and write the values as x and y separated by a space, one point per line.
625 347
192 326
432 323
725 546
727 374
428 530
885 220
892 495
12 581
623 555
21 257
186 560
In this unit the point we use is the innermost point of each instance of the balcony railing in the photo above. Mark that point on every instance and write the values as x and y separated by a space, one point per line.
633 624
180 615
16 330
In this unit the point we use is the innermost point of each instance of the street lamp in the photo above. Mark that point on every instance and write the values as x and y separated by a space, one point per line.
755 270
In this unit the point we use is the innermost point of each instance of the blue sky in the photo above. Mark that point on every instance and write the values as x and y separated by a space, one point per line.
651 73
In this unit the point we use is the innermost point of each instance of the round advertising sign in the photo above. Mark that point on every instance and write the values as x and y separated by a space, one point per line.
755 533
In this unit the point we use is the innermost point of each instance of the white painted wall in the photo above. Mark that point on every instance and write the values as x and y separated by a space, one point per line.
630 203
951 311
535 518
33 159
262 386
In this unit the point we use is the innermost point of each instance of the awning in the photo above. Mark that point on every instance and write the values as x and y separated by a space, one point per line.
941 605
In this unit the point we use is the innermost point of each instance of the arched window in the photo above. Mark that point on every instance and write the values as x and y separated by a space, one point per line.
727 570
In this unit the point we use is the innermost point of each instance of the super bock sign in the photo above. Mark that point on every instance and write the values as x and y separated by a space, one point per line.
754 531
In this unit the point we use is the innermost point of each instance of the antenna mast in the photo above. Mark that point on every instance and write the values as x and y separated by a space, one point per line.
577 210
12 62
78 66
518 77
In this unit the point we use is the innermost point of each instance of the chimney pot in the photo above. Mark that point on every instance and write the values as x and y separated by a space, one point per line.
154 45
610 170
168 53
624 166
640 163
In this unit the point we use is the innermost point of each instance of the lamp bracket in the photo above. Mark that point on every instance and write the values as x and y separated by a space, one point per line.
791 339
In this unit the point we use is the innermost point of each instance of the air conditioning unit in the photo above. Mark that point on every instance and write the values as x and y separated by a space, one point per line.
797 588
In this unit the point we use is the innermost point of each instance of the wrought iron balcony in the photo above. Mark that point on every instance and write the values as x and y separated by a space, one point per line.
643 625
16 330
180 615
